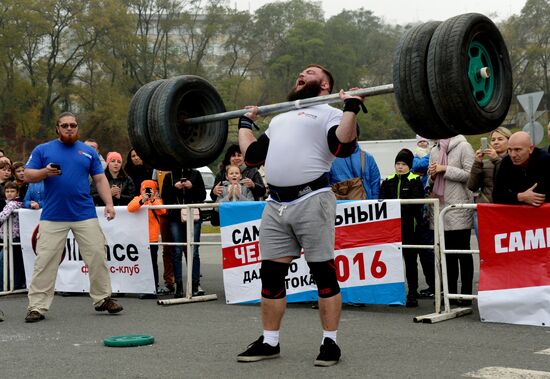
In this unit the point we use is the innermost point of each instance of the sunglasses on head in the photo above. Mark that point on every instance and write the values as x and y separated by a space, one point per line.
72 125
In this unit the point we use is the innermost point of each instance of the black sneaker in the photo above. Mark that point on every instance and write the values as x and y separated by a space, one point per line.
197 290
165 290
426 293
411 302
258 350
329 354
34 316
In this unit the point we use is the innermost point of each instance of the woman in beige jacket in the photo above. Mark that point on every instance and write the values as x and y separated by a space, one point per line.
450 165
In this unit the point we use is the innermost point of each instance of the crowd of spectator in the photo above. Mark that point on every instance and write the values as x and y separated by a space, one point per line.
508 170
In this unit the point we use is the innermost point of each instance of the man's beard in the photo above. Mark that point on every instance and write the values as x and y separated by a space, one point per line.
310 89
69 140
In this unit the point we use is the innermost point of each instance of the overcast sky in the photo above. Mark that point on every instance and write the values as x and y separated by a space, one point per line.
406 11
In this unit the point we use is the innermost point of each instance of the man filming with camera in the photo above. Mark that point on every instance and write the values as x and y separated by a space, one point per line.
149 196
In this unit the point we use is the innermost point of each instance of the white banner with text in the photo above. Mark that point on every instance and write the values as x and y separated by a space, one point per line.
127 253
367 254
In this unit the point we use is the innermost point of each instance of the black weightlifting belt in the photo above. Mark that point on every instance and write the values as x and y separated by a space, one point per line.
287 194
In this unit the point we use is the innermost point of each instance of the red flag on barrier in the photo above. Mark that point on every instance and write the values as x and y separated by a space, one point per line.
514 278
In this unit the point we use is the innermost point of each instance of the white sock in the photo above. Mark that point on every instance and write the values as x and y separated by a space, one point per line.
271 337
330 334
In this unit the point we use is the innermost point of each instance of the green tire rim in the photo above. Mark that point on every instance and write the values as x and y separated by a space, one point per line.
482 88
129 340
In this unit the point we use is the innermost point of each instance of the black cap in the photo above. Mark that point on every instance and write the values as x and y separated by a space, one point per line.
406 156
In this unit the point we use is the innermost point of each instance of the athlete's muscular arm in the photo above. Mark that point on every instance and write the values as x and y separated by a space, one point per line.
246 137
342 138
347 130
254 150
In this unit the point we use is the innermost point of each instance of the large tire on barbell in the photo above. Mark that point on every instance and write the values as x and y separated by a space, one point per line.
410 83
174 101
465 101
138 131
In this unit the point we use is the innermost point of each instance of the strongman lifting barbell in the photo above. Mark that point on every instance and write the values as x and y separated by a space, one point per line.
450 78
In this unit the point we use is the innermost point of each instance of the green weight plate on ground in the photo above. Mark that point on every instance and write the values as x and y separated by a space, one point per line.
129 340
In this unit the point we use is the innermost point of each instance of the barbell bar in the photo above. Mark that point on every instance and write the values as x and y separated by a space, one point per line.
264 110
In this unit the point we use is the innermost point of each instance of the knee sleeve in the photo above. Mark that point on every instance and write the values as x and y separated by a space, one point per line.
324 274
273 279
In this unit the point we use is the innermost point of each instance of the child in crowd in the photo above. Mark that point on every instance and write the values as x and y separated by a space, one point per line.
150 196
406 185
11 192
35 196
423 234
233 189
18 169
422 147
5 176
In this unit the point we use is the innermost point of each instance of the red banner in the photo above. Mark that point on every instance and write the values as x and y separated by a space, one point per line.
514 244
514 275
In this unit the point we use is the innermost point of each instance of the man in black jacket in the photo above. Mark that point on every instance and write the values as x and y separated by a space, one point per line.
404 184
524 175
184 186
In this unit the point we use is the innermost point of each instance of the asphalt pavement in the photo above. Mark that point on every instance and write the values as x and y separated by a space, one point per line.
202 340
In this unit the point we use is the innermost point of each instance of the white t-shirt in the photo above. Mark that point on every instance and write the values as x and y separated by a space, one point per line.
298 149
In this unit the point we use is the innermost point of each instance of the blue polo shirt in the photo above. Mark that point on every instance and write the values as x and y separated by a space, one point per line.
67 197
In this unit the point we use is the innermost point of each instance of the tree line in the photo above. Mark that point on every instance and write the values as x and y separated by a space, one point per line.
92 56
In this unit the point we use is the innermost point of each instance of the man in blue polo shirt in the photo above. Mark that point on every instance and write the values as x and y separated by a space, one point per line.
64 165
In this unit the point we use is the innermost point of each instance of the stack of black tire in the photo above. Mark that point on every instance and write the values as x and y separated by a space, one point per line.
437 85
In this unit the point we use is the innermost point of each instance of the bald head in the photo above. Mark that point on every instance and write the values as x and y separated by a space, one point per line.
520 147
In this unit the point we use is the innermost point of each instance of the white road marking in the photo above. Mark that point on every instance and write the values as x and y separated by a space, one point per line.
546 351
507 373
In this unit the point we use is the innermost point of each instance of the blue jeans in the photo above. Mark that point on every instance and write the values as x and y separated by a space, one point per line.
179 234
475 224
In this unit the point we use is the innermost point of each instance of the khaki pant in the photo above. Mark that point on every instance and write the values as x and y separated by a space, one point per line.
51 239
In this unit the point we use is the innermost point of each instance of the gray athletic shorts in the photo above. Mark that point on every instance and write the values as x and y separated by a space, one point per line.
308 224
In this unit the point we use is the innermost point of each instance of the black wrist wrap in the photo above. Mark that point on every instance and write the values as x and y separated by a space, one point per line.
354 105
246 123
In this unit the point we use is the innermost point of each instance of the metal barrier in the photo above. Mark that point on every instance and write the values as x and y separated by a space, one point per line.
8 283
190 243
189 298
448 312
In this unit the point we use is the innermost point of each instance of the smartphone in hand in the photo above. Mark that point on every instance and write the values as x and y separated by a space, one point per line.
55 165
484 143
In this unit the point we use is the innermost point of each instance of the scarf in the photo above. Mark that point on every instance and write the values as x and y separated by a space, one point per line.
439 182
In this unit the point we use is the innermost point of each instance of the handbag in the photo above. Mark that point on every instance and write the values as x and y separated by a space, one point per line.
351 189
215 217
196 214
